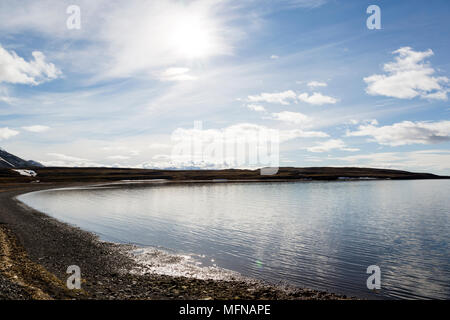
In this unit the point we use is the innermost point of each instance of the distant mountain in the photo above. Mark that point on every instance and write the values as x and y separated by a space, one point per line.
8 160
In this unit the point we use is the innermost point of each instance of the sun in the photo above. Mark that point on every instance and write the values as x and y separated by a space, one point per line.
192 36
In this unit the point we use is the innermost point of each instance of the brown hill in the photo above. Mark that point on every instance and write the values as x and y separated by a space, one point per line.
48 174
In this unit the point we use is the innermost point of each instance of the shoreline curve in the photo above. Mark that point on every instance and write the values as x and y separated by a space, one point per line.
48 246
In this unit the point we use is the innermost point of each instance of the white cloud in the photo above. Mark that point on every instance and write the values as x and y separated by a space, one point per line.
284 98
36 128
292 117
256 107
159 146
409 76
287 135
14 69
365 122
61 156
6 133
118 157
314 84
406 132
329 145
317 99
274 57
118 148
63 160
176 74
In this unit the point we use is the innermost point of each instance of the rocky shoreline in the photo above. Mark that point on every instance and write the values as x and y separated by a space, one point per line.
35 251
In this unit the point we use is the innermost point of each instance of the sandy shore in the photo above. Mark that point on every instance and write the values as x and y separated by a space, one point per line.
35 251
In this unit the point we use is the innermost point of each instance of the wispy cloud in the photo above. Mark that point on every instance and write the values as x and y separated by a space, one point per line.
303 3
127 38
256 107
118 157
146 35
36 128
314 84
284 97
331 144
176 74
292 117
6 97
63 160
61 156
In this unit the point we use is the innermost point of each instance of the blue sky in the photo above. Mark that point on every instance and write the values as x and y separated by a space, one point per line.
114 91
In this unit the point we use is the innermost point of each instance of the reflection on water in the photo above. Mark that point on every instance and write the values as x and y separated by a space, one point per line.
156 261
319 235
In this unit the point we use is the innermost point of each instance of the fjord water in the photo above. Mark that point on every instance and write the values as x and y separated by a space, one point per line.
320 235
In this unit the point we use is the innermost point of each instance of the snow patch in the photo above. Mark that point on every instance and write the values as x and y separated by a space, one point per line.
28 173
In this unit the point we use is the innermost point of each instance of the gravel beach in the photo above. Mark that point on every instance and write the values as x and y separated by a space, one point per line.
36 250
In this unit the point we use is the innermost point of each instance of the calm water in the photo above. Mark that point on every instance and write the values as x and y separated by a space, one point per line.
320 235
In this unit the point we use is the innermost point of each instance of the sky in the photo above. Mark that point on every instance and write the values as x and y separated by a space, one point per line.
116 83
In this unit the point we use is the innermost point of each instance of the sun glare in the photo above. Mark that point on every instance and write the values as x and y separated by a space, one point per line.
192 36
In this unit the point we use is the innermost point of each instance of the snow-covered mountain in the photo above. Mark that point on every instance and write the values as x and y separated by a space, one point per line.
8 160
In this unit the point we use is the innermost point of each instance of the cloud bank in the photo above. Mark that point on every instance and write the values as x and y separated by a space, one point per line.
406 133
